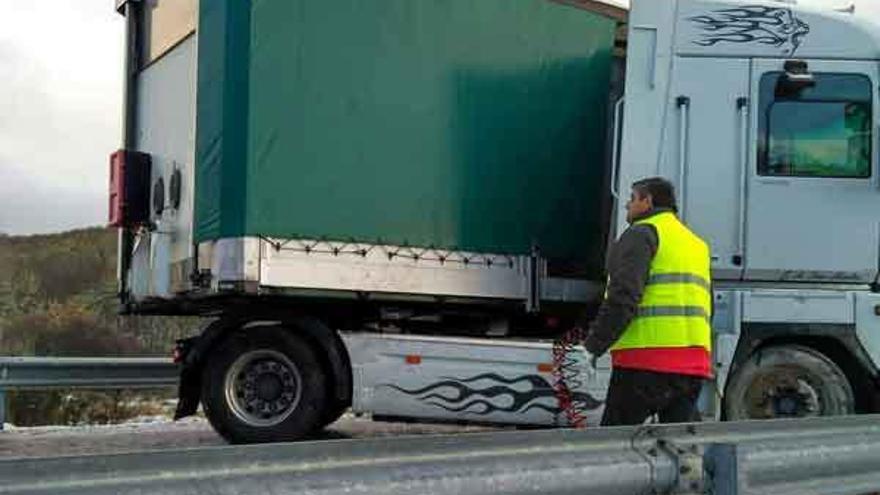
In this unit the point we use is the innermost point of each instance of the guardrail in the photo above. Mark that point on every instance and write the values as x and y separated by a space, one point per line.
824 456
821 456
26 373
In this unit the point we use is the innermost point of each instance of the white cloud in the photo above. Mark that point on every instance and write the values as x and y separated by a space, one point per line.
60 113
29 205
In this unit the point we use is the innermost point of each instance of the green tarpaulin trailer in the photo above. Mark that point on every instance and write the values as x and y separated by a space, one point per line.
374 146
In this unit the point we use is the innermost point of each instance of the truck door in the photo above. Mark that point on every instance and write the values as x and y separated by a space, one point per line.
813 197
706 157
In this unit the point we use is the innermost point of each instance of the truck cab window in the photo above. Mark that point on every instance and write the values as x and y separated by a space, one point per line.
821 131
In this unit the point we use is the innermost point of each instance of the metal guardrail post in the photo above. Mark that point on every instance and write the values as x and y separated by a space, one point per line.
2 407
722 469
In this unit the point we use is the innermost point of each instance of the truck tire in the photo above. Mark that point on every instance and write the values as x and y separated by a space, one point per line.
264 385
787 382
332 414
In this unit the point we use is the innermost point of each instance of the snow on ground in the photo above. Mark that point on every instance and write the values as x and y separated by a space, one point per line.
49 441
160 433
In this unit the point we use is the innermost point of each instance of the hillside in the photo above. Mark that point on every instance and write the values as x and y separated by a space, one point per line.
37 270
58 297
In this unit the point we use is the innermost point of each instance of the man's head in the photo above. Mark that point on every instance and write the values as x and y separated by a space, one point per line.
648 194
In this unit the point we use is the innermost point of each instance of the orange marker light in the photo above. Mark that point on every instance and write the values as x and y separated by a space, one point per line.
413 359
545 368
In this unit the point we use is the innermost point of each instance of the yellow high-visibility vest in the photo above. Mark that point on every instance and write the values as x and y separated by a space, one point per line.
676 307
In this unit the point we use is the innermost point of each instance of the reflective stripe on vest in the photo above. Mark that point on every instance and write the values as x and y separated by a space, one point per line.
676 307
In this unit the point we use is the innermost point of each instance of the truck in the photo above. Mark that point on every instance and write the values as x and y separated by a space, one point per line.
398 207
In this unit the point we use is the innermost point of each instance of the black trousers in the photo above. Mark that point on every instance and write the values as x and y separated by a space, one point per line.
636 395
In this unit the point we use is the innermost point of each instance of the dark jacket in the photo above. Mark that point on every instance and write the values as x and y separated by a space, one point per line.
628 266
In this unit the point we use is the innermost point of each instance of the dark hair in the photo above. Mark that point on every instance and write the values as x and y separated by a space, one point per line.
662 192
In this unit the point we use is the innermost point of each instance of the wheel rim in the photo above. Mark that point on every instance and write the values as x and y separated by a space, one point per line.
263 387
783 393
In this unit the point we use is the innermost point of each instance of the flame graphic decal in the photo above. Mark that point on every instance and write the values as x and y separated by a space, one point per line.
775 26
457 395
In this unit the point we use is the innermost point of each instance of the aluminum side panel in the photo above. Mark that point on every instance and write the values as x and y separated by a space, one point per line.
309 264
460 379
166 130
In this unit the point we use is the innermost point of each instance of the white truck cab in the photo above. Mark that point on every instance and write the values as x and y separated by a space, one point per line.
764 115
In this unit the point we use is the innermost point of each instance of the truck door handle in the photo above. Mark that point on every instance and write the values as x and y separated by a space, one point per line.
742 106
684 107
615 147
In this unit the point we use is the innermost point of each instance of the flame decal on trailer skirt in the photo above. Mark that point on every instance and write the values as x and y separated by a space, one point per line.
458 395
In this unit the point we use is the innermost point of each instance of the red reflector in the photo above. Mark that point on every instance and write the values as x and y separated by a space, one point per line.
413 359
117 189
176 355
129 200
545 368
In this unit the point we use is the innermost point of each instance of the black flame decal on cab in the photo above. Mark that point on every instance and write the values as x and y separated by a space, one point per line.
775 26
458 395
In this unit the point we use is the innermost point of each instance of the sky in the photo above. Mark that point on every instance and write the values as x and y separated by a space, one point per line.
61 109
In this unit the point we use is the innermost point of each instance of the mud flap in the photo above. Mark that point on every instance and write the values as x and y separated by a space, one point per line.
188 393
190 353
189 387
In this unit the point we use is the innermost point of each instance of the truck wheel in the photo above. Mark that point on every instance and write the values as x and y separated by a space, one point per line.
788 382
332 414
264 385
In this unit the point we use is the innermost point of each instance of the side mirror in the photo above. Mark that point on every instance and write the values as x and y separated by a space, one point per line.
795 79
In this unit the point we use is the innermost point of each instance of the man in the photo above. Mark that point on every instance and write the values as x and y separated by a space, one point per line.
656 314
